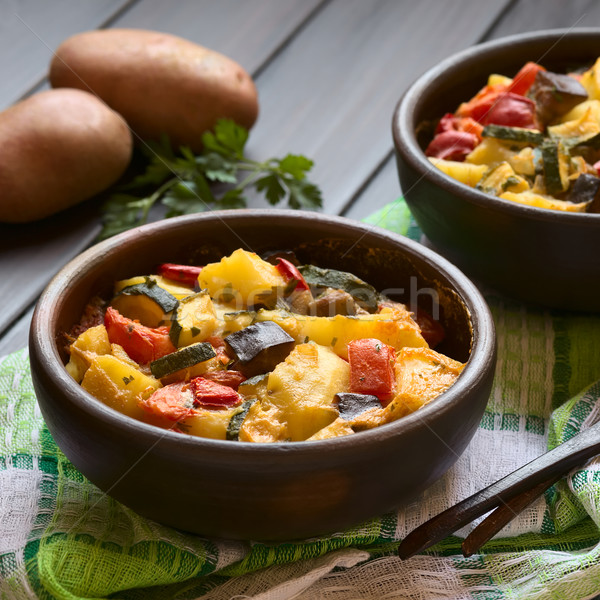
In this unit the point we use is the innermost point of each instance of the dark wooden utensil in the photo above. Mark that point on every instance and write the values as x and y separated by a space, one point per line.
508 496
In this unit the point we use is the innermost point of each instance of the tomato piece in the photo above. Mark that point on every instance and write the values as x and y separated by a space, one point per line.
210 393
479 106
372 368
188 275
449 122
290 271
142 344
431 330
171 403
231 378
452 145
523 80
513 110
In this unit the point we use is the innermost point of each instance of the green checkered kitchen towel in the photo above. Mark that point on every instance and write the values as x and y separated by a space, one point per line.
60 537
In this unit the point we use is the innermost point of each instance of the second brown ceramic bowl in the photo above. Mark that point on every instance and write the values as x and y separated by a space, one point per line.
264 491
547 257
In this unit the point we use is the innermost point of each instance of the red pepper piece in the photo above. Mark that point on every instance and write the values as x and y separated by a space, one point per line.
142 344
512 110
185 274
479 106
212 394
290 271
523 80
171 403
451 123
231 378
452 145
431 330
372 368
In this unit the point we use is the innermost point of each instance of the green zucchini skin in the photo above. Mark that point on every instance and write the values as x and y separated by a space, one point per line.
350 405
259 347
364 294
513 134
182 359
235 423
176 326
550 159
152 290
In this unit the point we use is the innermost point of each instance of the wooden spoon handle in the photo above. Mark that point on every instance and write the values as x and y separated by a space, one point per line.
502 515
553 464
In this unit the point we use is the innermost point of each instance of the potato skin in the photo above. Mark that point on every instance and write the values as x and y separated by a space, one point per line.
59 147
160 83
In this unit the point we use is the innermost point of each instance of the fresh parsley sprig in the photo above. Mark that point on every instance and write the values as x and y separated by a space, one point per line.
217 178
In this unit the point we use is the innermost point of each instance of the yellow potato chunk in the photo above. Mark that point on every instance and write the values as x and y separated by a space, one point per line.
490 152
497 79
577 130
579 110
119 385
303 387
89 344
195 320
467 173
208 423
338 428
590 80
242 279
392 326
533 199
263 424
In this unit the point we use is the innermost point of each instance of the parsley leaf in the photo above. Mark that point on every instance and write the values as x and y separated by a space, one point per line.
217 178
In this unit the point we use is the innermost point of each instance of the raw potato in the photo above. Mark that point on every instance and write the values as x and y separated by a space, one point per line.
59 147
160 83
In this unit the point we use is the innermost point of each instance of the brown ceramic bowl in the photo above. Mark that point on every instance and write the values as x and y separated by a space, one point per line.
542 256
264 491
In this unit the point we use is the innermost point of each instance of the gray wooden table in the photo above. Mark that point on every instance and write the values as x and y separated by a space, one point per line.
328 72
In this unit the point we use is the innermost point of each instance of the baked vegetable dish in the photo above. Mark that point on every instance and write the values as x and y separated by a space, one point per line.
258 350
532 139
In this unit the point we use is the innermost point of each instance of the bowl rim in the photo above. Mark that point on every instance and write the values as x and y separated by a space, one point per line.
405 139
43 344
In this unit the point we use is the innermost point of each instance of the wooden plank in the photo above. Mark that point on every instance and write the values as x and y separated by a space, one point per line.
249 32
331 92
30 31
526 15
382 189
31 254
17 336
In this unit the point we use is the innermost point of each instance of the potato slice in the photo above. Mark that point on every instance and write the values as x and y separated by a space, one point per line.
119 385
89 344
242 279
303 388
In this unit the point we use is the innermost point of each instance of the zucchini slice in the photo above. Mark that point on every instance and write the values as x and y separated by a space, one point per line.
556 167
502 178
182 359
235 423
194 320
365 295
147 302
513 134
259 347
